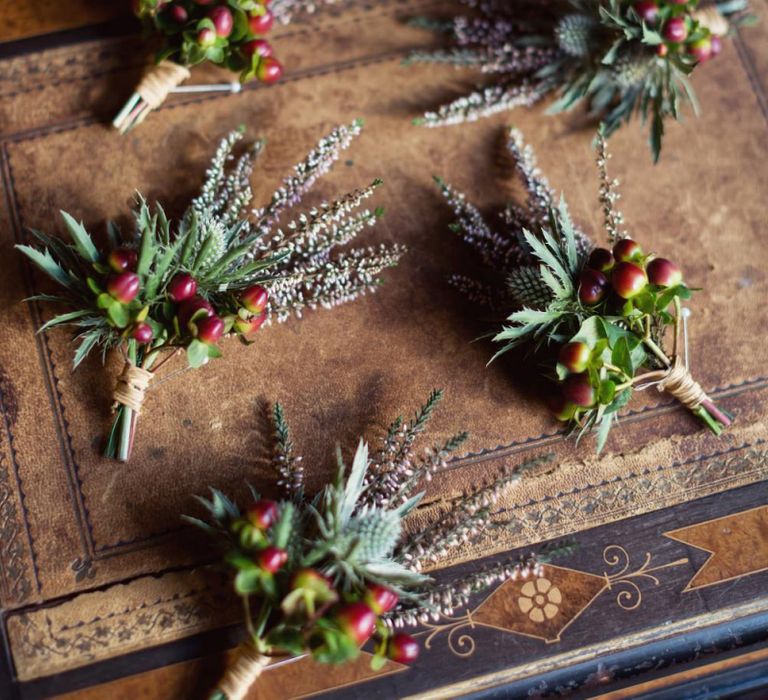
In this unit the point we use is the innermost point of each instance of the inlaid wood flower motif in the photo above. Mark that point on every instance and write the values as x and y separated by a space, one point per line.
539 599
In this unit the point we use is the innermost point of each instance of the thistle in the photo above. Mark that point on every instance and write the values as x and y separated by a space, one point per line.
616 58
323 575
597 317
223 270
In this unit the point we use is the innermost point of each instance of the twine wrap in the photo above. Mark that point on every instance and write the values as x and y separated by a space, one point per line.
242 674
711 18
132 386
680 384
160 80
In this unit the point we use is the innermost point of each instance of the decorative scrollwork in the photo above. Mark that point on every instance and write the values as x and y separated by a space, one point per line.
630 596
463 645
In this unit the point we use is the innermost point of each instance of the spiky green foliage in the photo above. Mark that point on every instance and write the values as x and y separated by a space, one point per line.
598 54
352 534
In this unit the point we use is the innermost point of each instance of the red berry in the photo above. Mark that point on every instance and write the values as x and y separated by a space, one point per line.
574 356
272 559
648 11
403 648
190 307
380 598
262 514
204 2
627 250
255 299
206 37
701 49
260 47
561 408
578 390
178 14
357 620
124 287
261 24
250 325
270 70
210 329
662 50
600 259
628 280
221 17
182 287
716 45
142 333
676 30
592 287
664 273
121 259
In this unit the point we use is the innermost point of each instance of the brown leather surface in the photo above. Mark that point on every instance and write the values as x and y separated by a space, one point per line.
79 521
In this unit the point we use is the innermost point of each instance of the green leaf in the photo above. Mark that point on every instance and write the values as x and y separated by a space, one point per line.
283 528
248 581
93 285
214 352
620 401
45 261
118 314
64 318
603 430
147 249
287 639
89 340
197 353
354 486
83 243
378 662
591 331
607 392
620 356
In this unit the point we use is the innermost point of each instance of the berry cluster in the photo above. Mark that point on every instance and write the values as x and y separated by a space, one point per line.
226 33
316 616
626 272
680 31
627 284
178 318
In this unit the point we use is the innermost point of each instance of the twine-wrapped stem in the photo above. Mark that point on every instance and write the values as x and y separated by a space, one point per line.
676 380
129 394
241 674
150 93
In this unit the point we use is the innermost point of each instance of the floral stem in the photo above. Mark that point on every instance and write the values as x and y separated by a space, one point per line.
127 424
656 350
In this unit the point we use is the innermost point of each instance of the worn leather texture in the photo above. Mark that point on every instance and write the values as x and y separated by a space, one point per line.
73 521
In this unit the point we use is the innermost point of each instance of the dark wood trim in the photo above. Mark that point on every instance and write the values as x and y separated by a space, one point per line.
124 25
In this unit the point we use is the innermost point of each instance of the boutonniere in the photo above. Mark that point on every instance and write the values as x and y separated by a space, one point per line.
324 574
230 34
223 270
617 59
599 319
